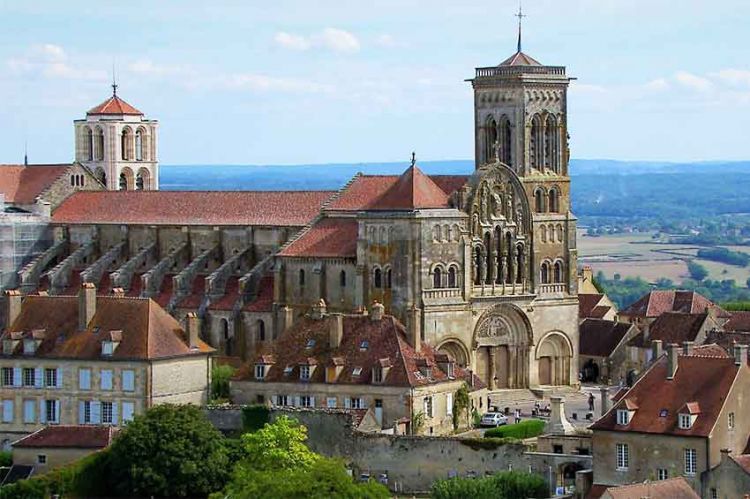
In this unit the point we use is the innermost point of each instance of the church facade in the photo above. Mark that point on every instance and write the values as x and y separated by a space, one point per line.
483 267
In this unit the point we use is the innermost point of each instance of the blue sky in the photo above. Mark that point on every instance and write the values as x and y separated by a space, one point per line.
303 81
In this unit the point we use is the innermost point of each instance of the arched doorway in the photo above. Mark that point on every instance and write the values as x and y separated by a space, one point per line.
457 350
554 355
502 338
125 182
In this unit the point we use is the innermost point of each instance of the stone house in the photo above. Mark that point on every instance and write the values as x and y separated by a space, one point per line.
54 446
41 188
359 361
655 303
601 356
592 303
731 477
94 360
672 488
674 421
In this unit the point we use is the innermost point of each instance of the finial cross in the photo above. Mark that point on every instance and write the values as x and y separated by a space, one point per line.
413 158
520 17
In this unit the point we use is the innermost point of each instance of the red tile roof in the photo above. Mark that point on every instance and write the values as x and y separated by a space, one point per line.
148 331
386 339
658 302
114 105
700 378
520 59
671 488
230 297
599 337
673 327
69 436
329 237
263 301
450 183
412 191
743 461
587 303
22 184
739 321
272 208
726 339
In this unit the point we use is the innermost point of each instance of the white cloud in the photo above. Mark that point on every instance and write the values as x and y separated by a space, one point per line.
147 67
265 83
333 39
290 41
51 61
387 41
693 82
657 85
735 77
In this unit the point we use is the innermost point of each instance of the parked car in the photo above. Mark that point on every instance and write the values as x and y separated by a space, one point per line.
493 419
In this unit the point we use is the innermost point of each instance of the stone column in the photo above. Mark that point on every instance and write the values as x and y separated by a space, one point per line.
604 393
512 366
493 368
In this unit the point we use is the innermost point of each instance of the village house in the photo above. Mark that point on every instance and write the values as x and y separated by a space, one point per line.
601 356
91 359
593 303
674 421
672 488
360 361
657 302
731 478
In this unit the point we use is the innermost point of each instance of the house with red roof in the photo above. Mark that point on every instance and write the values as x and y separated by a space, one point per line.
689 404
360 361
650 306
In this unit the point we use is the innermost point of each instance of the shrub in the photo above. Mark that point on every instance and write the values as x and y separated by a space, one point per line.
220 376
503 485
254 417
697 271
525 429
5 458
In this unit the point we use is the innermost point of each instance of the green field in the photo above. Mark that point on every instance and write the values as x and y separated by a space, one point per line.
638 255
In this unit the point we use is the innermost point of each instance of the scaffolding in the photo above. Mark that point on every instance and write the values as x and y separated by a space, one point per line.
23 236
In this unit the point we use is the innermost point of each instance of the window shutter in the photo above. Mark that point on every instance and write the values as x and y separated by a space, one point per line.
312 401
59 381
42 411
58 408
96 412
296 402
347 403
28 411
16 376
81 412
127 411
362 403
114 413
38 377
7 411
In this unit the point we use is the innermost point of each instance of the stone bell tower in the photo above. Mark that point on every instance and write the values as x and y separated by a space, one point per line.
119 145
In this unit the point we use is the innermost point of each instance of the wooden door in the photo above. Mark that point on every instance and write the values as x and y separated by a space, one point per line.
545 371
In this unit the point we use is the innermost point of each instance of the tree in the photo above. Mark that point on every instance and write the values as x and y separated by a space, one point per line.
220 376
503 485
280 445
460 404
171 450
697 271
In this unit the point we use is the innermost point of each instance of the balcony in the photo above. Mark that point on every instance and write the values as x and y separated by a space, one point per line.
554 288
515 70
442 293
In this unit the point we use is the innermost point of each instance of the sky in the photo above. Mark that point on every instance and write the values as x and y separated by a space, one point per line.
318 81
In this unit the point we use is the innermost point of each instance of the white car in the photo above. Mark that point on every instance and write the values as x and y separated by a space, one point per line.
493 419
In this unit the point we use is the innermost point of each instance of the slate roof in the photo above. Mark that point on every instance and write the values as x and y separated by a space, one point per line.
69 436
702 377
329 237
21 184
386 343
259 208
671 488
672 327
148 331
658 302
114 105
599 337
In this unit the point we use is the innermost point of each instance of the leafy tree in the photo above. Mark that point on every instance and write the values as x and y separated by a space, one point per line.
697 271
220 376
280 445
460 404
503 485
171 450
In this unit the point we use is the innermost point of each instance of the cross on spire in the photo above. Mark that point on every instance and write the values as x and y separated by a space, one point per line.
413 158
114 80
520 17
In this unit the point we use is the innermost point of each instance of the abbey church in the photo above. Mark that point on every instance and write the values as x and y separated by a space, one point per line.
481 267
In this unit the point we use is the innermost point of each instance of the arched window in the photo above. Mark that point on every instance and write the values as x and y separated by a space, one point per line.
342 278
436 233
553 201
490 134
519 264
511 256
488 258
389 278
560 234
544 277
301 277
498 255
551 144
452 283
505 140
89 145
543 233
125 144
139 182
477 265
536 148
539 201
72 180
83 180
558 272
377 277
123 182
226 336
99 144
437 278
261 330
139 145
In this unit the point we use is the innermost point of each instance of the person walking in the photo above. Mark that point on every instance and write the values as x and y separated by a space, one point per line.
591 402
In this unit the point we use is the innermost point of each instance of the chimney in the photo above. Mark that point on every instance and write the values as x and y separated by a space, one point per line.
725 454
43 208
558 423
740 354
118 292
86 305
687 347
604 391
414 329
656 349
377 311
673 352
287 319
336 330
193 329
13 306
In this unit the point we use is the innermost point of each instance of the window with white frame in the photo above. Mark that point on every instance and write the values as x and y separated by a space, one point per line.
52 411
7 411
29 411
282 400
105 379
50 378
260 371
304 373
107 413
623 417
691 461
357 403
623 456
730 421
449 404
41 459
714 494
427 406
128 409
84 378
85 415
305 401
331 402
684 421
662 474
128 380
8 378
377 374
29 376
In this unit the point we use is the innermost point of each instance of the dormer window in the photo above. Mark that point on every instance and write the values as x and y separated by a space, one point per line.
687 415
260 371
377 374
288 370
29 346
623 417
357 371
364 346
304 373
310 344
684 421
108 348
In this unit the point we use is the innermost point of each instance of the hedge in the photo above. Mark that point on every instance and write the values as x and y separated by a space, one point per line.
525 429
503 485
